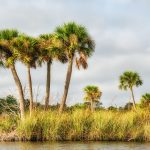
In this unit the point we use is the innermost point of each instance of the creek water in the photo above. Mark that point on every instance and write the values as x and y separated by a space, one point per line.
73 146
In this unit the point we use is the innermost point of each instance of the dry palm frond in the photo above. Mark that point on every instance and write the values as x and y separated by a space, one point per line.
73 39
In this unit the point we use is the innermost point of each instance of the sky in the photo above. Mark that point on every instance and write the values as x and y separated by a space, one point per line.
120 29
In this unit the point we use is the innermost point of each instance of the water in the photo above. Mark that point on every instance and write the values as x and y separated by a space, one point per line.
74 146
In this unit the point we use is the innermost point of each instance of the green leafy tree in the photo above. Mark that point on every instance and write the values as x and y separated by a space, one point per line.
9 59
50 49
77 46
92 95
128 80
9 105
145 100
26 50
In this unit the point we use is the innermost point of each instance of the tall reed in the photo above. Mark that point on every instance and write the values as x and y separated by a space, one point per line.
83 125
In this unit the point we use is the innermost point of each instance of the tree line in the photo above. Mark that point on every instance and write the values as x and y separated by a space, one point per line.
69 43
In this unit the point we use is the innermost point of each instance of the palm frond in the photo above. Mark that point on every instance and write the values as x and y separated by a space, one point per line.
76 40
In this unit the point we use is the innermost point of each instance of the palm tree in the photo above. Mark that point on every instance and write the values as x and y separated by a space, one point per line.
92 94
50 49
78 46
26 50
128 80
9 59
145 100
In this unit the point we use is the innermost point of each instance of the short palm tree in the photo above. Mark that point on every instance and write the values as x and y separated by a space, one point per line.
145 100
77 46
26 50
92 94
50 49
9 59
128 80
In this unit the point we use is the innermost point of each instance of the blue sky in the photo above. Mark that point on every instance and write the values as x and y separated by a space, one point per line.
120 28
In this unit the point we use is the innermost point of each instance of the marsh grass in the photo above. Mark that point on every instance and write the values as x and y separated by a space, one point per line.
7 124
83 125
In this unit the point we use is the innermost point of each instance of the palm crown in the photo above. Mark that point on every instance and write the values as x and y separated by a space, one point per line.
92 93
145 99
51 48
26 49
6 53
76 42
129 79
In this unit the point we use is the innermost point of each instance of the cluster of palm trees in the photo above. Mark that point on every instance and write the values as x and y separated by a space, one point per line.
69 43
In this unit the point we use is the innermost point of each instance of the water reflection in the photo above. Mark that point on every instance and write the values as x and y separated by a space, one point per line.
74 146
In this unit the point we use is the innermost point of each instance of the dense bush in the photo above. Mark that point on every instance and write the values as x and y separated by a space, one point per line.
8 105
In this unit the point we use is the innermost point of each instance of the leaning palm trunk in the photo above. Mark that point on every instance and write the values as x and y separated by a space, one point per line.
20 90
30 89
66 87
134 104
48 85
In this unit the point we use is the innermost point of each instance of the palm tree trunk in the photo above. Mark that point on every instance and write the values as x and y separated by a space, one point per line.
134 104
66 87
30 89
48 80
92 108
20 90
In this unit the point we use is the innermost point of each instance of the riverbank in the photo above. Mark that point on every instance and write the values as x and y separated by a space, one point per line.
78 125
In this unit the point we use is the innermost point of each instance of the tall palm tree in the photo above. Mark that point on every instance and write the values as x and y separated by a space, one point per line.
9 59
78 46
128 80
92 94
26 50
50 49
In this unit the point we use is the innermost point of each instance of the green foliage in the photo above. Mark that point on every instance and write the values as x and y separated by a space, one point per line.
8 34
25 48
51 48
76 42
9 105
145 100
129 79
6 53
92 93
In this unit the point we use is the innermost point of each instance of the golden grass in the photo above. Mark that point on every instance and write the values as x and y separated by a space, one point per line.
82 125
